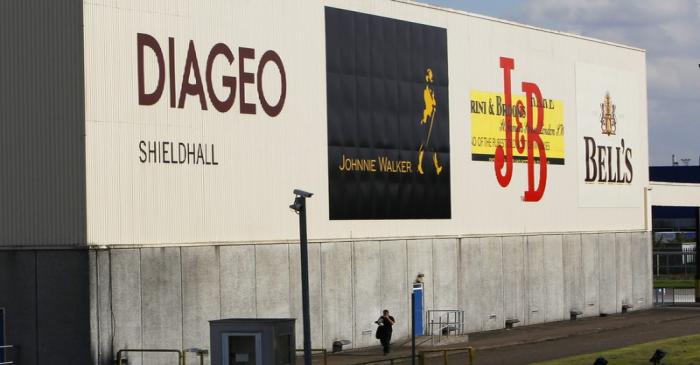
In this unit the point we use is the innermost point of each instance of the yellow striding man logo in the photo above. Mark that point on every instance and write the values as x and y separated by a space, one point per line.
608 122
428 118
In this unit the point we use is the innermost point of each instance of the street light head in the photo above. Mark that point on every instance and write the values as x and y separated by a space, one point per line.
302 193
298 204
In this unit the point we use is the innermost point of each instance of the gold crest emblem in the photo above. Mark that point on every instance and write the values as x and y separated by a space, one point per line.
608 122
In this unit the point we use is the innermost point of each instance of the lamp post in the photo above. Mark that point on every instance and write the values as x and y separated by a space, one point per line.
413 327
299 206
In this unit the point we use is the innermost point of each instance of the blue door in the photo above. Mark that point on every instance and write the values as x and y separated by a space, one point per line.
418 311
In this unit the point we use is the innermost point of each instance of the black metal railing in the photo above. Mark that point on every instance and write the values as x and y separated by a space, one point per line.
437 356
671 296
122 361
673 263
4 357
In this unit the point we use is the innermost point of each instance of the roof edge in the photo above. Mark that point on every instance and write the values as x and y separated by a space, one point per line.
516 24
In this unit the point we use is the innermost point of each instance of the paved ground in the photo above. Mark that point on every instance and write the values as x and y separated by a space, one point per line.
527 344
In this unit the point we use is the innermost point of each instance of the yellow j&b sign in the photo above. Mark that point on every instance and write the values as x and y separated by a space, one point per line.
488 112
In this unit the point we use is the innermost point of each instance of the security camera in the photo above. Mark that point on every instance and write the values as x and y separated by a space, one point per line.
302 193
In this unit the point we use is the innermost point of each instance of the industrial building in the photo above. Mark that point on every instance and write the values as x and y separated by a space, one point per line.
150 150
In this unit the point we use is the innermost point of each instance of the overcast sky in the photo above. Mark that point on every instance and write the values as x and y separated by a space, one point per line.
668 30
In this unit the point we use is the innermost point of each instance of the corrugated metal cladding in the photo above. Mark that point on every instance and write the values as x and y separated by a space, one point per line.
42 123
98 95
155 70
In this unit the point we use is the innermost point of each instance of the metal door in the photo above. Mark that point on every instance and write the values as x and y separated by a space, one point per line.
418 310
242 348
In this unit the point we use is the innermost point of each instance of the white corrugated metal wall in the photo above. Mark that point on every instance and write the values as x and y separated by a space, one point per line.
262 158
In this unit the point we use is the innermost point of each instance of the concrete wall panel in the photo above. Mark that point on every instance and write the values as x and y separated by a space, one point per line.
642 287
574 283
272 280
200 295
237 275
648 278
536 285
554 278
591 273
161 290
367 290
532 278
608 274
104 307
445 282
125 301
625 282
420 260
470 284
336 268
92 306
491 295
514 278
395 285
296 309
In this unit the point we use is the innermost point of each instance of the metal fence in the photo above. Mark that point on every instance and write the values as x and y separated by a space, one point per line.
444 322
673 263
671 296
5 356
437 356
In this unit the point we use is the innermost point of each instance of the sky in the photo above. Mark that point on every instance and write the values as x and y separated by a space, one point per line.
668 30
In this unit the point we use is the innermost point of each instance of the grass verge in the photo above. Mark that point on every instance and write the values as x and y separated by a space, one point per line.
681 350
674 283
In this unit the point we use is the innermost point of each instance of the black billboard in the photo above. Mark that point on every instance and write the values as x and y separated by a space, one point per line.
388 118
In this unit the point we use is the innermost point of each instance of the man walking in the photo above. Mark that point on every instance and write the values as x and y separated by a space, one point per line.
384 331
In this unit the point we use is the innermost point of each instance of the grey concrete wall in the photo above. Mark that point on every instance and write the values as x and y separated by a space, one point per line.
163 297
161 302
237 272
367 289
395 284
574 277
552 246
200 294
514 290
272 281
336 292
535 278
591 274
607 285
296 308
122 302
492 295
470 284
